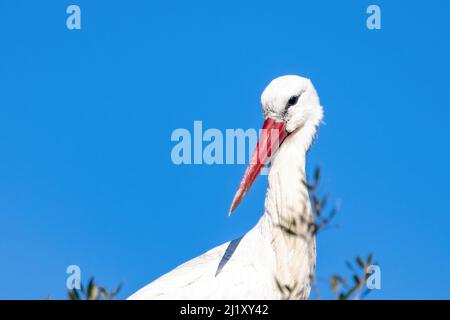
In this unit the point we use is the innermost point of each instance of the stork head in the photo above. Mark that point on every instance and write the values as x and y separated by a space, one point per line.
290 104
292 100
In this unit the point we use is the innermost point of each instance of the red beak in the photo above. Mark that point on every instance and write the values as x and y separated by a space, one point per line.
272 136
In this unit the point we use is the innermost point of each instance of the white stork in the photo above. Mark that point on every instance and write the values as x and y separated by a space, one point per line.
267 260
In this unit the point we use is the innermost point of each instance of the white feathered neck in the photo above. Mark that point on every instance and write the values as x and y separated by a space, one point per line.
287 205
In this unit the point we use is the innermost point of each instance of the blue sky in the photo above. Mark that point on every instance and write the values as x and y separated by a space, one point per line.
86 117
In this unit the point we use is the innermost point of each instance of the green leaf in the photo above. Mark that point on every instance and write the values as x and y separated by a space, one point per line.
73 294
369 259
324 201
317 174
104 293
360 262
91 289
116 291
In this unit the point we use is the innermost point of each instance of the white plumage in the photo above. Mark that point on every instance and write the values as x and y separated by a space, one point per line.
267 262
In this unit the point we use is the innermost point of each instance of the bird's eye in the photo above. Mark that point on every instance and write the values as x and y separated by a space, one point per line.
292 101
